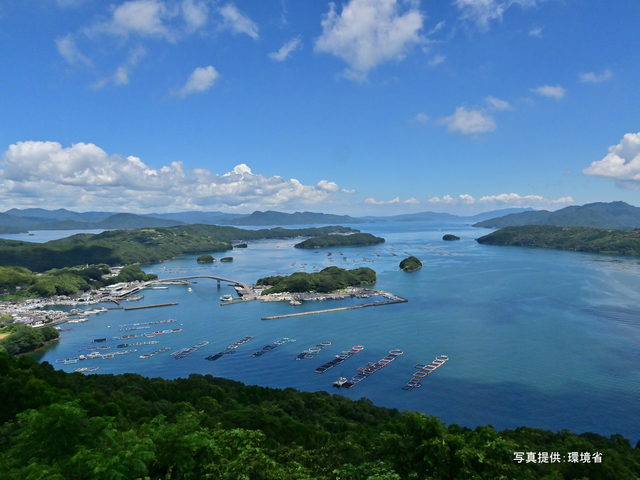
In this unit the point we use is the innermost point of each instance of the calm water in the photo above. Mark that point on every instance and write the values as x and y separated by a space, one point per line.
540 338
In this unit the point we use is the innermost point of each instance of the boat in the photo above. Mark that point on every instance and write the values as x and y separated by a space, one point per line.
190 289
98 340
295 302
226 298
341 381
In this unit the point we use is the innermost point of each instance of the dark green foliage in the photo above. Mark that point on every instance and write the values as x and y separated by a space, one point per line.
63 426
410 264
206 258
579 239
150 245
326 280
226 259
598 215
353 240
240 245
450 237
23 339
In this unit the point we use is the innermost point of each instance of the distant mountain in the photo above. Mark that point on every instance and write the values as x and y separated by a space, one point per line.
124 221
41 215
498 213
614 215
299 218
443 217
8 220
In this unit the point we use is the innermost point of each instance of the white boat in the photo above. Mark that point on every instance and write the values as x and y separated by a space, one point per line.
226 298
295 302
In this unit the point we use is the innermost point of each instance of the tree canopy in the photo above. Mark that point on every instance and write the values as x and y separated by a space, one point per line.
326 280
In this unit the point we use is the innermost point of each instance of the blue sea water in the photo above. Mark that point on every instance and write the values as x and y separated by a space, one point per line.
535 337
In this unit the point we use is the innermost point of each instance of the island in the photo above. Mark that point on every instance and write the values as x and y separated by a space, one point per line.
327 280
353 240
450 237
226 259
206 258
240 245
410 264
577 239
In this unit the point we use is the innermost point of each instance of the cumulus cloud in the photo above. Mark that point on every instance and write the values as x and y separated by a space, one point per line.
344 190
504 199
286 50
556 92
328 186
593 77
121 75
237 22
196 14
138 17
372 201
622 163
497 104
369 32
469 121
200 80
69 50
448 199
412 201
483 12
437 60
421 117
84 175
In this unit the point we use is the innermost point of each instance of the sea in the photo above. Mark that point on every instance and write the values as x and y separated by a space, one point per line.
534 337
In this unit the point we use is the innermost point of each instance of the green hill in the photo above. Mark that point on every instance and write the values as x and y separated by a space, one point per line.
326 280
410 264
353 240
579 239
618 215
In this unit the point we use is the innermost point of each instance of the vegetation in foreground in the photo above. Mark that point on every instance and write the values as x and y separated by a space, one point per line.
326 280
56 425
353 240
148 245
410 264
18 283
22 339
578 239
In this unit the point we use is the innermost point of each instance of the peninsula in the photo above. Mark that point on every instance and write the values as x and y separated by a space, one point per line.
578 239
353 240
327 280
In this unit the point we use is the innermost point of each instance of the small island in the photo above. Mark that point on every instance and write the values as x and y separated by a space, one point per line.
226 259
327 280
240 245
577 239
410 264
450 237
353 240
206 259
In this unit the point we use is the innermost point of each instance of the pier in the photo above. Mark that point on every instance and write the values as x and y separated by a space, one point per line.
364 305
423 371
151 306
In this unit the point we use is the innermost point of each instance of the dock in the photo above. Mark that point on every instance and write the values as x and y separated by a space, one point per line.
423 371
151 306
353 307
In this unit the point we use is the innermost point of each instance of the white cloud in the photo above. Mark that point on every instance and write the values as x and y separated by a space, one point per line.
412 201
519 200
201 79
437 60
68 49
121 75
556 92
372 201
344 190
421 117
196 14
448 199
469 121
368 33
139 17
84 175
596 77
483 12
237 22
328 186
536 32
497 104
467 199
622 163
286 50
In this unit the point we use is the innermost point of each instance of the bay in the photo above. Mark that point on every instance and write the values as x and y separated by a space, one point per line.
541 338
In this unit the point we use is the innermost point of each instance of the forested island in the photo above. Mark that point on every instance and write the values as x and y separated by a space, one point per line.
326 280
98 427
578 239
353 240
149 245
410 264
17 283
206 258
449 237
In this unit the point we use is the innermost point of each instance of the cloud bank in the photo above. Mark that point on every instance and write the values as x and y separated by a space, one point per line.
504 199
85 176
621 164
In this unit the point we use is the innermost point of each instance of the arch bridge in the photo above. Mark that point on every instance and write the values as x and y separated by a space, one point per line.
250 293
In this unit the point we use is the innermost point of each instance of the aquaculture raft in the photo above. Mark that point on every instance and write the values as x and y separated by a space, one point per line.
267 348
423 371
369 369
311 352
341 357
230 349
183 352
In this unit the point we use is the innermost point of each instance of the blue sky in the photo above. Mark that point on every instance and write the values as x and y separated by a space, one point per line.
361 107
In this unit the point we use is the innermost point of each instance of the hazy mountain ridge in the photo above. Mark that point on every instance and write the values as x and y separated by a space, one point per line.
614 215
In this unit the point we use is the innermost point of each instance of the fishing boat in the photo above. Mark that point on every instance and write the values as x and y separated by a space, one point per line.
226 298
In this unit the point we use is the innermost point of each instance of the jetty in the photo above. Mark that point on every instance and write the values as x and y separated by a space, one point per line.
367 370
341 357
151 306
328 310
423 371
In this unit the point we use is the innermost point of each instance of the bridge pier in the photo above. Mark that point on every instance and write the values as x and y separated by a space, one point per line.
218 283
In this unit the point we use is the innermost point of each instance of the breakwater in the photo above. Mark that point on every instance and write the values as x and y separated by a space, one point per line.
353 307
151 306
